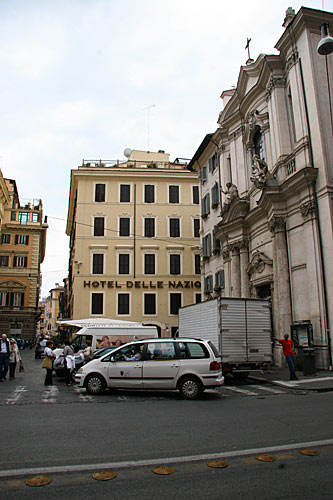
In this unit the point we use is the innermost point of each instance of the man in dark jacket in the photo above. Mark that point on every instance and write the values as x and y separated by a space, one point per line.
4 357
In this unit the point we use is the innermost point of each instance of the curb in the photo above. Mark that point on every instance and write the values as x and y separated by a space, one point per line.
296 386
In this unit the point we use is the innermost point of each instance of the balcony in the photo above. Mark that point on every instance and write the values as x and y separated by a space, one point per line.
178 164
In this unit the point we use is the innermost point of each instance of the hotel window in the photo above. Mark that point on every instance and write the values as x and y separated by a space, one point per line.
21 239
149 303
149 262
209 284
205 205
174 264
173 194
100 192
125 193
174 227
196 228
123 263
23 217
123 303
215 195
175 302
197 298
197 267
149 193
4 260
149 227
98 226
12 215
124 226
207 245
96 303
219 278
19 261
35 217
18 299
5 239
98 263
195 194
4 299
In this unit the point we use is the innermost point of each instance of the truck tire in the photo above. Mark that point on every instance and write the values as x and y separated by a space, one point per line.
190 388
240 375
95 384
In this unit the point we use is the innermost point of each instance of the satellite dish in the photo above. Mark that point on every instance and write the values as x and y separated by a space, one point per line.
127 152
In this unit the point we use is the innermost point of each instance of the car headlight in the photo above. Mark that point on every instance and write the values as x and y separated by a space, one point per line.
80 370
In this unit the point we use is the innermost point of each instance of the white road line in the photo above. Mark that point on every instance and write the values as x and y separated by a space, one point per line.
50 394
241 391
270 389
16 395
163 460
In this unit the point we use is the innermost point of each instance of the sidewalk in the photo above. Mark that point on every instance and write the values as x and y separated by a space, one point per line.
322 381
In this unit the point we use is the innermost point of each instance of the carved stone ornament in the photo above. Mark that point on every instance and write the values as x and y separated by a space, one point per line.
308 208
225 253
231 195
276 222
292 60
274 83
258 263
259 172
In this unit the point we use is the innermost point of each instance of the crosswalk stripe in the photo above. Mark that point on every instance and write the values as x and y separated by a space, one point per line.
270 389
241 391
16 395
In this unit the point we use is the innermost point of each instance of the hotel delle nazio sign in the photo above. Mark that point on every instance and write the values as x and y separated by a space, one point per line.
142 284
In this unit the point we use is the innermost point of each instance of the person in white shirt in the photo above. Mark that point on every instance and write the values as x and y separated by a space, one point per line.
4 357
14 358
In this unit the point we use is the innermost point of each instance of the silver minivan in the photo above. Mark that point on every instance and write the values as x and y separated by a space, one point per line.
189 365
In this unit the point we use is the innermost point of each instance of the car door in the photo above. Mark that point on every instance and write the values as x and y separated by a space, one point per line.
160 366
124 371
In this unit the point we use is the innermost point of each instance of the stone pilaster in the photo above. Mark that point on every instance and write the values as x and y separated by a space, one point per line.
244 263
235 271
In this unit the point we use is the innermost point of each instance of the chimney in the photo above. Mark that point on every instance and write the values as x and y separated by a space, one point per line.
290 14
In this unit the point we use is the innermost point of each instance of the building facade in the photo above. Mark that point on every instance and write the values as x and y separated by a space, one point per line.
51 311
134 240
22 250
275 147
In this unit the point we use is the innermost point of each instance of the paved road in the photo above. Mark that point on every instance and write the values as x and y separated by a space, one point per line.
62 433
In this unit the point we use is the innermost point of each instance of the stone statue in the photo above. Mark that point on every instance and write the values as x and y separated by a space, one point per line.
259 172
231 194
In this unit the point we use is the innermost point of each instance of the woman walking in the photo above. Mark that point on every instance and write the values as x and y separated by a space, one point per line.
68 351
48 362
14 358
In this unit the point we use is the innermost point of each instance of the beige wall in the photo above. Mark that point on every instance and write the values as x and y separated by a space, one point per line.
136 283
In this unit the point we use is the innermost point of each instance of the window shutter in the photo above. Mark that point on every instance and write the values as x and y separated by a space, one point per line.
16 239
25 261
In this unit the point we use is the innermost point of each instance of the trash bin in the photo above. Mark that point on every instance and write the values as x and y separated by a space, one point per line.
309 361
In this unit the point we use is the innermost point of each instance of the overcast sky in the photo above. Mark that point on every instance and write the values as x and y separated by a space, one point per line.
77 75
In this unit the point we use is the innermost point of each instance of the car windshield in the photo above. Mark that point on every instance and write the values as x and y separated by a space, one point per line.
101 352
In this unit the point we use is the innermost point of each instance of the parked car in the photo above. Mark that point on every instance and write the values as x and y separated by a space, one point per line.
189 365
40 348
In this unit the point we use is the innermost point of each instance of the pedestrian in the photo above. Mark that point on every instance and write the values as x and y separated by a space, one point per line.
14 358
4 357
67 354
48 362
287 347
88 353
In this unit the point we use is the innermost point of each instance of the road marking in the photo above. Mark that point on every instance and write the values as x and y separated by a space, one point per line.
49 395
163 460
241 391
16 395
269 389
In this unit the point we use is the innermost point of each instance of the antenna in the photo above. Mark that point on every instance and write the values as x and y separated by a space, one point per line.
148 108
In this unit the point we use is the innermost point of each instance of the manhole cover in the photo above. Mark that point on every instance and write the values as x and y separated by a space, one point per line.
218 464
163 470
266 458
309 452
38 481
104 475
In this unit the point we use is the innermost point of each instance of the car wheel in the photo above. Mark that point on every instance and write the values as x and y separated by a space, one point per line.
95 385
190 388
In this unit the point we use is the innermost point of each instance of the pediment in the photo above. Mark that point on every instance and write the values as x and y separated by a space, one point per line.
238 208
12 285
258 263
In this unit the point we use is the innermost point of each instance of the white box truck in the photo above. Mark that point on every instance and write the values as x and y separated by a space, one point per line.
239 328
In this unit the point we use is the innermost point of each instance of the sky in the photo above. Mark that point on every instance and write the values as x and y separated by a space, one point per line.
80 77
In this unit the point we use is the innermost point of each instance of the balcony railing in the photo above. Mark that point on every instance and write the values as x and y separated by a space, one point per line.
178 164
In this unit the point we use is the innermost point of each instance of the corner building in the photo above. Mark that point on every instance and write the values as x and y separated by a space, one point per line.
134 240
